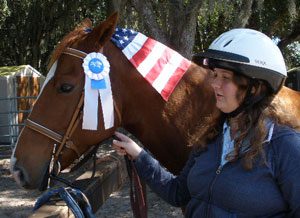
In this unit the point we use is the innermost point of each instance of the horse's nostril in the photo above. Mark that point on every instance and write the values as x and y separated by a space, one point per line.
21 176
15 168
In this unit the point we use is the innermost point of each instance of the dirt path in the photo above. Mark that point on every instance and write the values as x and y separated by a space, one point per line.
16 202
118 205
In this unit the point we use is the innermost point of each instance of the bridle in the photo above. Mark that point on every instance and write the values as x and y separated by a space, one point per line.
62 140
65 141
138 203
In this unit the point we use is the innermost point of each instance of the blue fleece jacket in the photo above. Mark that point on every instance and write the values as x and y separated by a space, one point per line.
208 189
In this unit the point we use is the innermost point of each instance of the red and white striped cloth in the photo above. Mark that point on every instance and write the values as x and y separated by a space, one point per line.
161 66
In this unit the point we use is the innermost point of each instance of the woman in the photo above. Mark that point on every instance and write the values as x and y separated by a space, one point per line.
251 168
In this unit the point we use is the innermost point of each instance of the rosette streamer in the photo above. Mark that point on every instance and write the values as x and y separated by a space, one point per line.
97 83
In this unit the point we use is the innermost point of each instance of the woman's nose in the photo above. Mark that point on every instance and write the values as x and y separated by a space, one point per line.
216 82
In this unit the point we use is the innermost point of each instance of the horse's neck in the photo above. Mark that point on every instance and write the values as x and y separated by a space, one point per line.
287 103
163 127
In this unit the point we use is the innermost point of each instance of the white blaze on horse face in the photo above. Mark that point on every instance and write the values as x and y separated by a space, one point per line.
13 161
14 173
50 75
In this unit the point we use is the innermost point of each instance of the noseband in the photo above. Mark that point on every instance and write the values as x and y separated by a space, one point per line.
65 140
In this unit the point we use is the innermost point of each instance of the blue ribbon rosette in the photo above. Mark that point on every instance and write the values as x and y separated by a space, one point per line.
96 67
97 84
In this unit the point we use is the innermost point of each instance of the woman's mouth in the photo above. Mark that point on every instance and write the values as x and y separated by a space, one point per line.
219 96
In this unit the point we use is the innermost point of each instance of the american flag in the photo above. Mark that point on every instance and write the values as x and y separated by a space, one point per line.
161 66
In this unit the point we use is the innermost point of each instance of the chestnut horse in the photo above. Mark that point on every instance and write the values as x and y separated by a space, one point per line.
164 127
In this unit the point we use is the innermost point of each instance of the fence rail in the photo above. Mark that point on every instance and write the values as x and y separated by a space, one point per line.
9 123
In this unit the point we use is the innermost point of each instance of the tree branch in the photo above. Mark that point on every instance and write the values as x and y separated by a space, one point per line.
147 15
116 5
293 36
244 14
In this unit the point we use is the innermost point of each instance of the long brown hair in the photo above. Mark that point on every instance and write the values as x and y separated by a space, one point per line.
251 123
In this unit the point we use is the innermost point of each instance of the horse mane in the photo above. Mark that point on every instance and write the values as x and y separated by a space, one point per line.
78 33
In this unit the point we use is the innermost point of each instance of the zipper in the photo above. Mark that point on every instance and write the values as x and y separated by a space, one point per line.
217 172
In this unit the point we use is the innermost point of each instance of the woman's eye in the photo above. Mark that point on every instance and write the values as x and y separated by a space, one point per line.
65 88
225 77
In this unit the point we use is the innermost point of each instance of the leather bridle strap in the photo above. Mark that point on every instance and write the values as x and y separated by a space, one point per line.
77 53
76 118
74 52
43 130
72 126
62 140
80 54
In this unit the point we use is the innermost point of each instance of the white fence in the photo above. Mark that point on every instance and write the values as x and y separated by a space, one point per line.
19 87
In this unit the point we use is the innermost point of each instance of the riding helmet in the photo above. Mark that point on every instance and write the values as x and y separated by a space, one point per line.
248 52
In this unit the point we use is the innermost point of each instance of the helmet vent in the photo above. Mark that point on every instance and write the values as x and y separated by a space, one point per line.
227 43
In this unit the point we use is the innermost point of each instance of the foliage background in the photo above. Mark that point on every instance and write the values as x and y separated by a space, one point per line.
30 29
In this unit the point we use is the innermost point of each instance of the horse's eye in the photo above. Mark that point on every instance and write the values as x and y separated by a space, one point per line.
65 88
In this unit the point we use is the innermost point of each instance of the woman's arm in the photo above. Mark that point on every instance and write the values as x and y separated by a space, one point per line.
288 171
173 189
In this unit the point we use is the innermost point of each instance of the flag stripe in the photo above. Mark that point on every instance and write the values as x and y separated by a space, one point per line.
167 72
143 53
175 78
159 65
151 59
137 43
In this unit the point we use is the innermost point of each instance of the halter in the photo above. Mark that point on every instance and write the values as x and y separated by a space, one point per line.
65 140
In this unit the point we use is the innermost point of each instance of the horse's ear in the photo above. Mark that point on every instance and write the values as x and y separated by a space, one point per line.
87 23
104 30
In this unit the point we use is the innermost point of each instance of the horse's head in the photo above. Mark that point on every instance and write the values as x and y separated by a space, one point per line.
56 118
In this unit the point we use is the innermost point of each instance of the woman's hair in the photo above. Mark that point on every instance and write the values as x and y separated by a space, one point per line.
251 123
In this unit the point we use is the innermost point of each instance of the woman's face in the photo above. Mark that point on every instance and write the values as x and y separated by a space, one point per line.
225 90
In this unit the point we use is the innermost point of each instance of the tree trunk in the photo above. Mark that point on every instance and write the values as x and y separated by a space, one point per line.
180 30
243 14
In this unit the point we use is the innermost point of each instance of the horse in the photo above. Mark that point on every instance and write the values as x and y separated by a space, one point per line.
165 128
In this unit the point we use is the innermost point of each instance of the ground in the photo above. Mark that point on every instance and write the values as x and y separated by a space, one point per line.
16 202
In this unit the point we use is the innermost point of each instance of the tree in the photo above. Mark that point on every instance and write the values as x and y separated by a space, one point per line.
171 22
4 11
35 27
275 18
31 29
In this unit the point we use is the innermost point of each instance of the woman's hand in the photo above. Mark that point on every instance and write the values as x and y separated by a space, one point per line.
126 146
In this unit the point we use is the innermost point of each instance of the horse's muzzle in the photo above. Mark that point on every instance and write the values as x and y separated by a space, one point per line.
20 177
